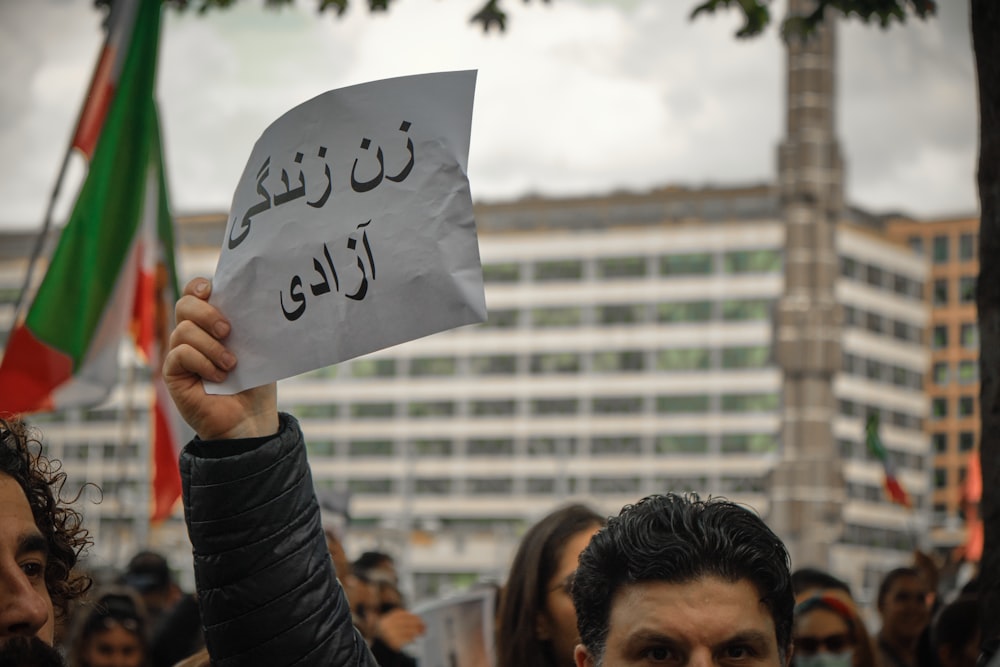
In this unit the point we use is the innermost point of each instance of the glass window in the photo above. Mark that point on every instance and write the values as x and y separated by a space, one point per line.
967 247
502 319
632 313
939 408
679 265
495 364
490 486
373 368
966 406
547 446
752 261
688 443
615 485
684 311
432 447
316 411
941 249
966 441
970 336
678 359
874 276
967 289
555 406
750 443
681 484
940 373
373 448
752 309
746 357
916 244
617 405
615 362
939 337
560 269
373 410
940 442
429 366
490 447
616 445
940 292
968 372
540 485
749 402
493 408
848 267
679 404
368 487
567 316
848 408
555 362
621 267
426 409
940 478
874 322
508 272
432 486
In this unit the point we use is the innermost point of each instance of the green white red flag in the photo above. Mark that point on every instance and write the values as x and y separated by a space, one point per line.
893 488
113 269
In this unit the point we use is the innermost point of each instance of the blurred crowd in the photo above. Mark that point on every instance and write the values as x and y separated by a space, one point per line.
142 618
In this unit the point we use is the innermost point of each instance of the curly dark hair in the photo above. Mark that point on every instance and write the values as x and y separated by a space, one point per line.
42 481
679 539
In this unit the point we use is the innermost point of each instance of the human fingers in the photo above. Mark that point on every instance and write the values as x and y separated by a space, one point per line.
191 308
201 353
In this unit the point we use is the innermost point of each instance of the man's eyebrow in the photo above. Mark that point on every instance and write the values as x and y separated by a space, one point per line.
746 637
32 542
647 635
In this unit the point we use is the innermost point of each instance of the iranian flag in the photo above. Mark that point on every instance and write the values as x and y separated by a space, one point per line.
113 269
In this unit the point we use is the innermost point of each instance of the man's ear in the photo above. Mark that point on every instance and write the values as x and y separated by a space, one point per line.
582 656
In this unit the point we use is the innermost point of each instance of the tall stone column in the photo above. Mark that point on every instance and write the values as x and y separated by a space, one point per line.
807 487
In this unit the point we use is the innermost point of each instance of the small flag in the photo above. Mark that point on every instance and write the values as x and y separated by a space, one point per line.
893 488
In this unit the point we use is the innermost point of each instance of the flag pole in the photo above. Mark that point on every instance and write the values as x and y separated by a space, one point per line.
36 253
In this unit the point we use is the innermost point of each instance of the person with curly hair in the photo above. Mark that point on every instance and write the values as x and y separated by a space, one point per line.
41 539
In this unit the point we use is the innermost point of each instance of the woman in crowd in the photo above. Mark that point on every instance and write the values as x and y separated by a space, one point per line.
112 633
537 625
828 633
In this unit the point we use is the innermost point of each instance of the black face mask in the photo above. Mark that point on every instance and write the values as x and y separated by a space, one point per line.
28 652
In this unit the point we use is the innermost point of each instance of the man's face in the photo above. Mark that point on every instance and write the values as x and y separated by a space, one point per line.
25 605
707 622
904 608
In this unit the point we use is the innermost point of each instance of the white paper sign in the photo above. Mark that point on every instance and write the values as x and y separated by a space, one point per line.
459 631
351 229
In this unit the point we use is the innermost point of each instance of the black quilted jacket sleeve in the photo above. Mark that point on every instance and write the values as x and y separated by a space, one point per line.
266 585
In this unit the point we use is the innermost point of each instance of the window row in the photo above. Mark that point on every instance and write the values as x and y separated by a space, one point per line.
947 291
941 247
549 447
964 372
617 485
567 405
858 450
882 538
966 442
636 266
674 312
943 407
876 276
881 371
941 477
869 492
968 336
881 324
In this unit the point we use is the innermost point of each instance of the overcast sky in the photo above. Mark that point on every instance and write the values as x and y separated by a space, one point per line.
577 97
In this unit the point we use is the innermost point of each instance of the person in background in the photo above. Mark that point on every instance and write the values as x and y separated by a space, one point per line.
811 582
955 633
41 540
394 626
537 620
111 633
903 606
148 573
825 634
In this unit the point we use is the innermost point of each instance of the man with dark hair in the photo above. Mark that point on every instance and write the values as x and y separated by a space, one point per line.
681 580
905 612
40 541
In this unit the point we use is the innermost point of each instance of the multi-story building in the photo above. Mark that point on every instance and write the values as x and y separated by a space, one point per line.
952 385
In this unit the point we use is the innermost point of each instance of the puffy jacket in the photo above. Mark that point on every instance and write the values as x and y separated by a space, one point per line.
266 584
